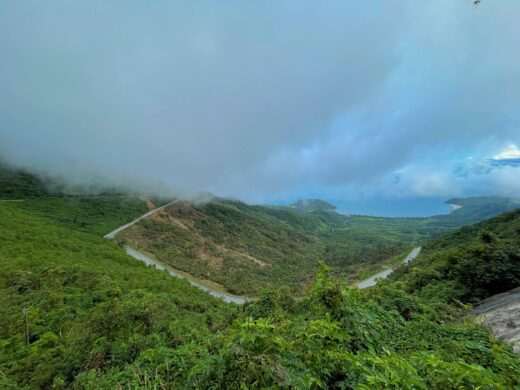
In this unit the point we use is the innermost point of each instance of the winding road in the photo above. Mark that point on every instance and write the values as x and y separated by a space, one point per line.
229 298
113 233
371 281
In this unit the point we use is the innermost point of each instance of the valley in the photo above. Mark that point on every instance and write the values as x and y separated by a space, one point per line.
259 195
79 311
245 248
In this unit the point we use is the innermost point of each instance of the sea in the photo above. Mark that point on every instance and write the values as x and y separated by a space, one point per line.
384 207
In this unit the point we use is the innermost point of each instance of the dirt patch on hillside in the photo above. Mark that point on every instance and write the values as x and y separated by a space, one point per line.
193 242
211 259
157 216
149 204
164 217
184 211
239 254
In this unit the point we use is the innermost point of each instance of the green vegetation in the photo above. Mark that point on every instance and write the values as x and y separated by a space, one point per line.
478 208
246 248
337 337
99 319
17 183
470 264
91 309
99 214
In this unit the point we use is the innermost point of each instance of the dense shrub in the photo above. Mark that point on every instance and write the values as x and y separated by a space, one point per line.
470 264
99 319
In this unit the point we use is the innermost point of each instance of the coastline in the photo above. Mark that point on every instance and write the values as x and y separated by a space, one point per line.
454 206
398 208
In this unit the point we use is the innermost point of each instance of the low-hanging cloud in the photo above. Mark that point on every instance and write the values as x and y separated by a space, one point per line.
260 99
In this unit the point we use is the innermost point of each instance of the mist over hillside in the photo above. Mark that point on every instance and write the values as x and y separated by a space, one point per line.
191 98
260 195
81 313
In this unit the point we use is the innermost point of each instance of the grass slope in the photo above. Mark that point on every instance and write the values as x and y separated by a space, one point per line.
17 183
245 248
470 264
99 319
90 306
100 214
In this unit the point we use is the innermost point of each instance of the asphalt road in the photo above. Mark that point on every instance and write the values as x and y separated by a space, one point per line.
229 298
371 281
113 233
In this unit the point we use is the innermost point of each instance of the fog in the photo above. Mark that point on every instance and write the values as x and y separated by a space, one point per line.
264 100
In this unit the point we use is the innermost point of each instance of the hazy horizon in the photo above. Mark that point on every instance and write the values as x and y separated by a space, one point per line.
371 105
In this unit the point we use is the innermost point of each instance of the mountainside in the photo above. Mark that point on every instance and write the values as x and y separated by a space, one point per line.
470 264
97 318
478 208
244 248
20 183
90 307
17 183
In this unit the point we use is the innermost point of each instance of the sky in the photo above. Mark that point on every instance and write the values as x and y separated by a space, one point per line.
267 101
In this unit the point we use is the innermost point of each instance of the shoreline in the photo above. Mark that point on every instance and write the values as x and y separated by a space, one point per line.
448 209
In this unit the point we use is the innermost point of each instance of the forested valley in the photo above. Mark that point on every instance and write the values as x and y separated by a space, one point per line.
77 312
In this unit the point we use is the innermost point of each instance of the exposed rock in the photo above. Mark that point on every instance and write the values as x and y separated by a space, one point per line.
501 314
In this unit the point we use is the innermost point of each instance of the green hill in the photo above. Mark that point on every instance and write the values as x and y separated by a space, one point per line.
478 208
90 306
16 183
20 183
100 319
470 264
245 248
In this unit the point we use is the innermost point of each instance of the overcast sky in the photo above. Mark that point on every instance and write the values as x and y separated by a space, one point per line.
266 100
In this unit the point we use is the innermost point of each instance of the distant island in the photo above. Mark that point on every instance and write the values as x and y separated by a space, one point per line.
313 205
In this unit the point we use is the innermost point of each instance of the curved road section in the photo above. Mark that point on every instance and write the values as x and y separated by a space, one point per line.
371 281
229 298
113 233
217 294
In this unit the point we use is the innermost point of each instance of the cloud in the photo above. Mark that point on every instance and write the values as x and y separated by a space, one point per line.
441 175
510 156
260 100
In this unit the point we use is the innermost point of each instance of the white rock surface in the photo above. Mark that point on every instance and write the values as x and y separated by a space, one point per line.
501 314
